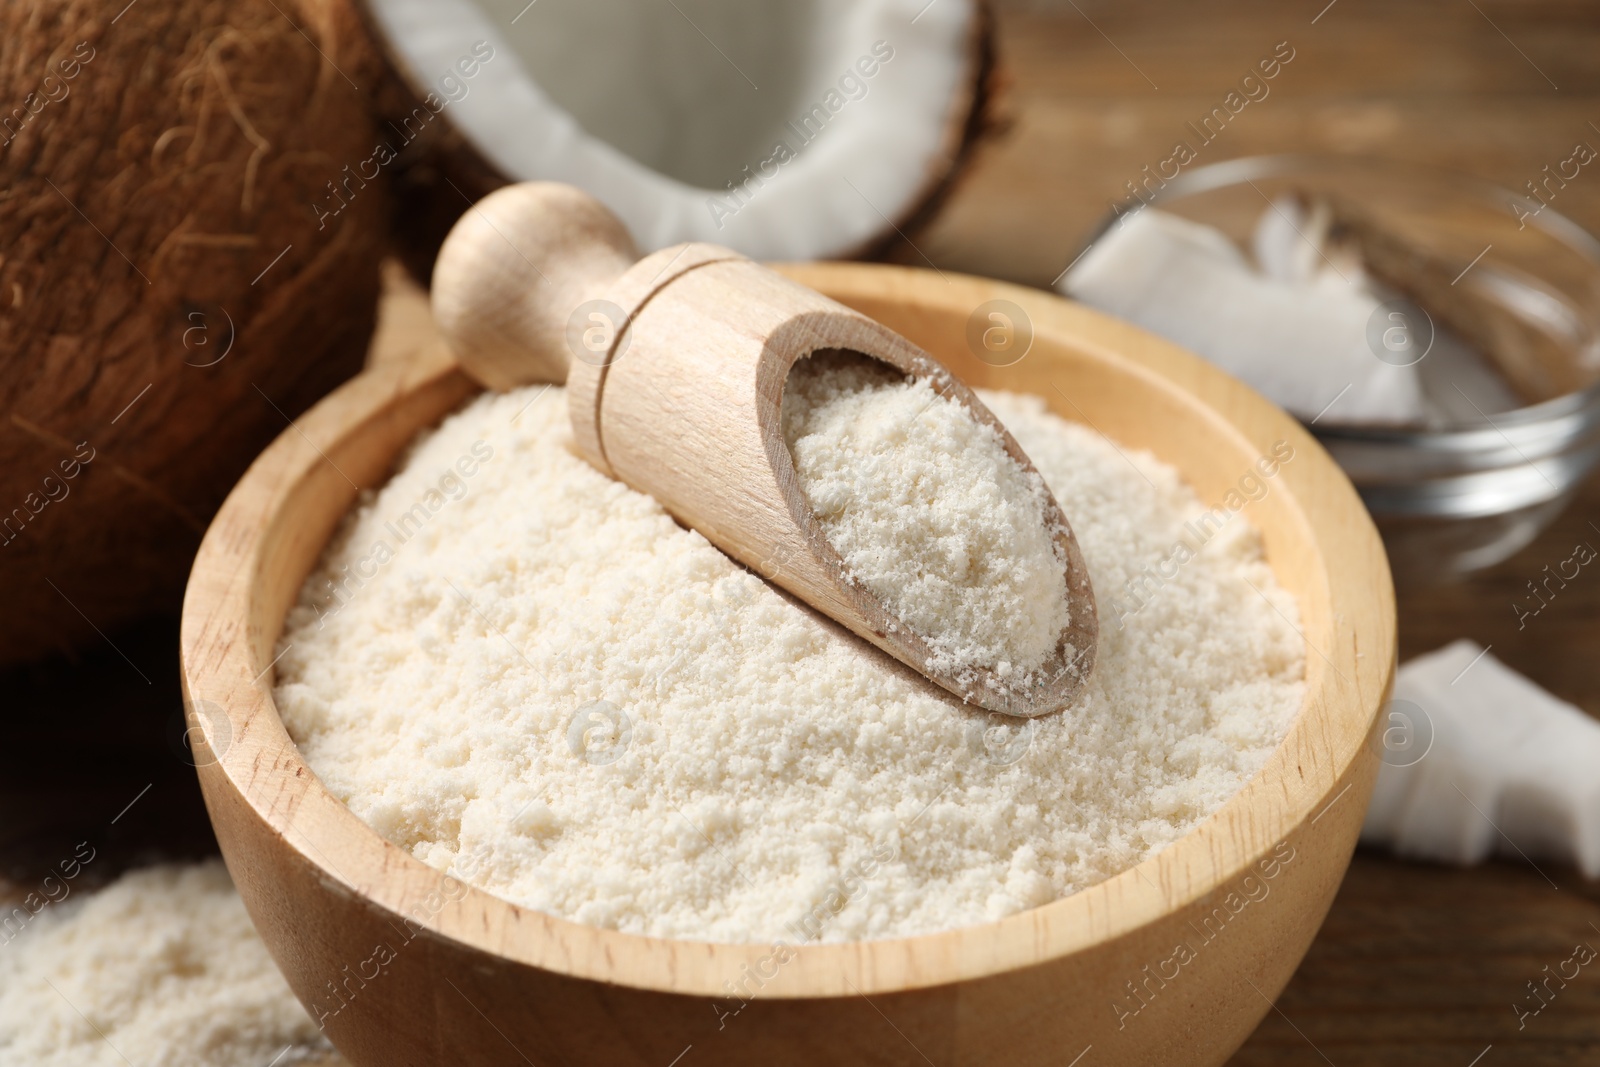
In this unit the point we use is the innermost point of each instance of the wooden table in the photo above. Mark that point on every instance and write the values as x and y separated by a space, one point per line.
1416 964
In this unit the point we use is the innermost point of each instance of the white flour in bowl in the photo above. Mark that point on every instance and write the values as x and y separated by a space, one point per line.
929 513
161 969
508 662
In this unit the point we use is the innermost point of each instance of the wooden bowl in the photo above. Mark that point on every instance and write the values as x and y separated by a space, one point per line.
1172 962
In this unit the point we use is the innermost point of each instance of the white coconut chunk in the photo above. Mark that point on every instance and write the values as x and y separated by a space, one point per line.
830 118
1301 341
1500 766
1294 242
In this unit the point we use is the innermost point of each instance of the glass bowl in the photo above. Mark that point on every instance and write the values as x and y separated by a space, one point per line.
1469 491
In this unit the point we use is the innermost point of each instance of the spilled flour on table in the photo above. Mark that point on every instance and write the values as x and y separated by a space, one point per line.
161 969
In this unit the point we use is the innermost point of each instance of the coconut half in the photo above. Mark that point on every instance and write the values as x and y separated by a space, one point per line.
794 131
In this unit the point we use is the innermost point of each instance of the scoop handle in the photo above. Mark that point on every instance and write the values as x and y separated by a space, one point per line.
513 272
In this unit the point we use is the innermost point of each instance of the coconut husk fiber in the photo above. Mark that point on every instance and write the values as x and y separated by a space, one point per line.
189 261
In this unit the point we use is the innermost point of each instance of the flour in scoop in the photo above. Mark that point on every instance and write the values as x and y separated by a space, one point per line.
928 512
508 664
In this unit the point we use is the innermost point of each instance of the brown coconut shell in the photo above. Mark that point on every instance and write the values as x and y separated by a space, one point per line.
171 293
441 174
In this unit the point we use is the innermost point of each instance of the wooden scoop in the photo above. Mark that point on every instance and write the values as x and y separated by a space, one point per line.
675 366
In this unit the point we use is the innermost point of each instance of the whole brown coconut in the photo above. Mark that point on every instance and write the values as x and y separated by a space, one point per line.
190 254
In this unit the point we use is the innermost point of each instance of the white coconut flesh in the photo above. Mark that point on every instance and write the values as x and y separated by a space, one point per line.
785 131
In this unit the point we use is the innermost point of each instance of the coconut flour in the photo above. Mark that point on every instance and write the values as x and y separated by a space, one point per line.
160 969
549 682
929 513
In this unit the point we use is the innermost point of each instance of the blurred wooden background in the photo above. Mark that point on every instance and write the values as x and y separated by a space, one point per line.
1416 964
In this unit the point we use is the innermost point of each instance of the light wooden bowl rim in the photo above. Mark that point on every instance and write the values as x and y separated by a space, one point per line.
226 654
